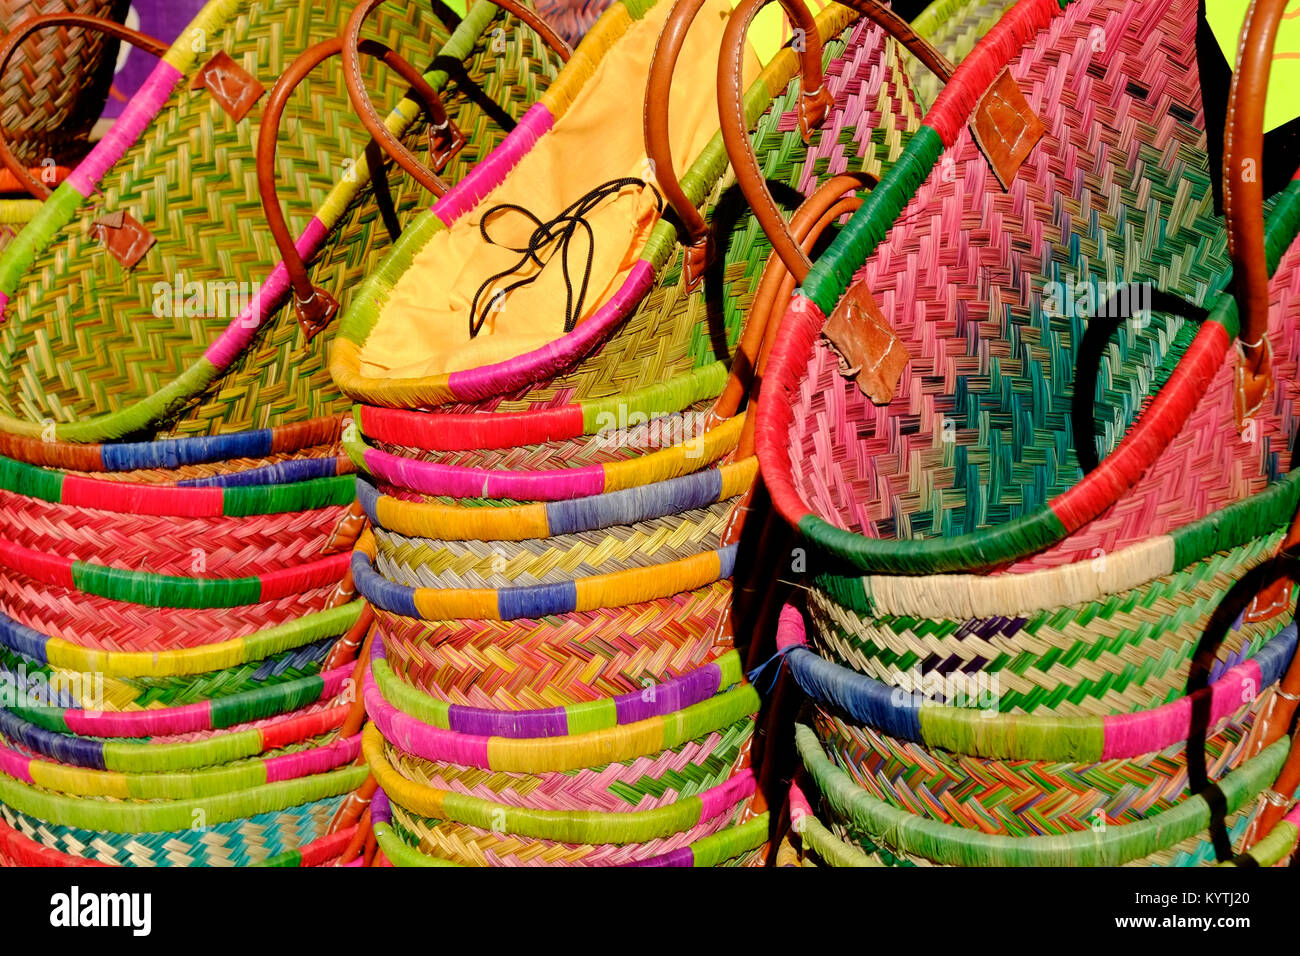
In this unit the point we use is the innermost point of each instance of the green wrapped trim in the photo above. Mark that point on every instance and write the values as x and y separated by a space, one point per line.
572 826
956 846
118 817
581 718
833 270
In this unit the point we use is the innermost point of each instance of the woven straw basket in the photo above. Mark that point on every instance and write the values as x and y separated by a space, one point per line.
58 82
225 370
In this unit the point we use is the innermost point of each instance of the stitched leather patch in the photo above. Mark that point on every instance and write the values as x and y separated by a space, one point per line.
1005 128
230 85
444 144
123 237
347 530
866 344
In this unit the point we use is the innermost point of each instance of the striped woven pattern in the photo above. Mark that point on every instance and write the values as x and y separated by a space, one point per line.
606 445
1023 798
564 659
640 784
1131 650
240 843
226 546
423 562
475 846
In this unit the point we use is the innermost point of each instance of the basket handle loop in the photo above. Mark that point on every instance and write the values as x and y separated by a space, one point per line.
1243 202
25 29
390 144
814 103
314 306
775 287
731 113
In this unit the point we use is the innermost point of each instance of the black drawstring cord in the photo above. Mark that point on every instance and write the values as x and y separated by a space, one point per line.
559 231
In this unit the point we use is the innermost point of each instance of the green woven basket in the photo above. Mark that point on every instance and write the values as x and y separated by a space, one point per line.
218 372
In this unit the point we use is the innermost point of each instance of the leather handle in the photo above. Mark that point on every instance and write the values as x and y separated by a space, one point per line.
390 144
731 114
834 198
25 29
313 306
1243 201
813 106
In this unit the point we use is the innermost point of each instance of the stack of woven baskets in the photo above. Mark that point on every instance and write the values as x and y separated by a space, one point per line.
180 632
1116 682
556 669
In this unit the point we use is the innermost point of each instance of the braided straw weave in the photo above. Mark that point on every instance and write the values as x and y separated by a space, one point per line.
1175 837
155 384
558 660
1130 648
255 839
639 784
57 83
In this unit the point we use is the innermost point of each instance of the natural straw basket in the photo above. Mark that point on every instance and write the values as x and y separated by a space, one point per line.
219 373
656 343
58 82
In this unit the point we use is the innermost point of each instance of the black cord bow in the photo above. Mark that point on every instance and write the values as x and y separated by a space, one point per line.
559 234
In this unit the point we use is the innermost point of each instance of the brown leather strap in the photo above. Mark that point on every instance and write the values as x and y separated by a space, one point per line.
1243 200
25 29
731 113
775 285
365 109
314 306
813 106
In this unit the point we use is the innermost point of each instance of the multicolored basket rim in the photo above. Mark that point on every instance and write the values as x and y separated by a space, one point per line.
168 590
712 850
577 826
519 522
278 489
172 453
957 846
414 732
190 784
589 593
830 276
452 431
979 596
120 817
181 662
284 832
556 484
180 64
720 674
486 381
977 733
29 725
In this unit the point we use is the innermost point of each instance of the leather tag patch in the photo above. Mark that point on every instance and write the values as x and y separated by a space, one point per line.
123 237
444 144
346 532
866 345
230 85
1005 128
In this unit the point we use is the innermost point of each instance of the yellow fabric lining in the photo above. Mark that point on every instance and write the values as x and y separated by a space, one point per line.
423 327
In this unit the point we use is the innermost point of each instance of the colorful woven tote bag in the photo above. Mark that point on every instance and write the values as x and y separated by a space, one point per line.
1124 637
155 252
